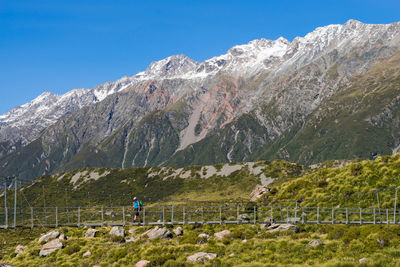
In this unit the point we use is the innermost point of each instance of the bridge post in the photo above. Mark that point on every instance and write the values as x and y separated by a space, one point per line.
387 216
333 215
220 215
102 216
183 215
395 205
79 216
255 215
144 215
123 216
374 215
360 216
237 214
317 215
347 215
31 218
56 217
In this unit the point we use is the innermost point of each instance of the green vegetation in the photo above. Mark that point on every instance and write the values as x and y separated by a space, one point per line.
247 245
354 185
115 187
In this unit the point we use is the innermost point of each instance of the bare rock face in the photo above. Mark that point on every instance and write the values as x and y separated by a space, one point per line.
117 231
315 243
5 265
178 231
49 236
90 233
201 256
222 234
142 263
50 247
158 232
283 227
258 191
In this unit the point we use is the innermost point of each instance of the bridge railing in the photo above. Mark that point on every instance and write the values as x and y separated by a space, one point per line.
193 214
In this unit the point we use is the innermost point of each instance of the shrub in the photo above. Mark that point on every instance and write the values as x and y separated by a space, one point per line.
71 249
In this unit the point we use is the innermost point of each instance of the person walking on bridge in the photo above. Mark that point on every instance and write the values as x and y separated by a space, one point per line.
137 207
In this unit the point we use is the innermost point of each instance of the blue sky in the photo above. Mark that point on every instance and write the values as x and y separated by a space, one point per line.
60 45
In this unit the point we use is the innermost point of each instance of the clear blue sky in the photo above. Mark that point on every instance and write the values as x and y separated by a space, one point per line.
60 45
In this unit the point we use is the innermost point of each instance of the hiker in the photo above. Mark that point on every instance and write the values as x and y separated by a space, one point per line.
137 207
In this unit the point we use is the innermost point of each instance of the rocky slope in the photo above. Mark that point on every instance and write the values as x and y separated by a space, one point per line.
246 104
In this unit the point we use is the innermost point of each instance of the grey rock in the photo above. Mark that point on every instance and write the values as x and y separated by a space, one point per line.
258 192
19 249
363 261
201 256
283 227
87 254
91 232
132 231
117 231
315 243
158 232
244 217
222 234
131 239
178 231
142 263
49 236
50 247
2 264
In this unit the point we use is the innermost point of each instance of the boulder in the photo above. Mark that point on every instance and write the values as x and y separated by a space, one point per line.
178 231
363 261
62 237
91 233
315 243
87 254
258 191
222 234
19 249
49 236
142 263
2 264
201 256
158 232
132 231
283 227
244 217
117 231
205 236
50 247
131 239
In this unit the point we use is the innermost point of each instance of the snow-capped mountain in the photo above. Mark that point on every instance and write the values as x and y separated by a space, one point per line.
25 123
290 79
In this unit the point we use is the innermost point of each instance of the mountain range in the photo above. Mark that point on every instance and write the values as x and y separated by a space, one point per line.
332 94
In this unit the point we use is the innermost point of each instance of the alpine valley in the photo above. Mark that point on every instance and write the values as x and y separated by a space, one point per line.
332 94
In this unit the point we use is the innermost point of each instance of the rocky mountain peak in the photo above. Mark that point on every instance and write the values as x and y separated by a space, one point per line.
175 65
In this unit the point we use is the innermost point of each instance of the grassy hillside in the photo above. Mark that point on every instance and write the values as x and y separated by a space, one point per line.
105 186
354 185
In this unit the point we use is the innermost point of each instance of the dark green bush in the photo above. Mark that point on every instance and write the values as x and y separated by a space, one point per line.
71 249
